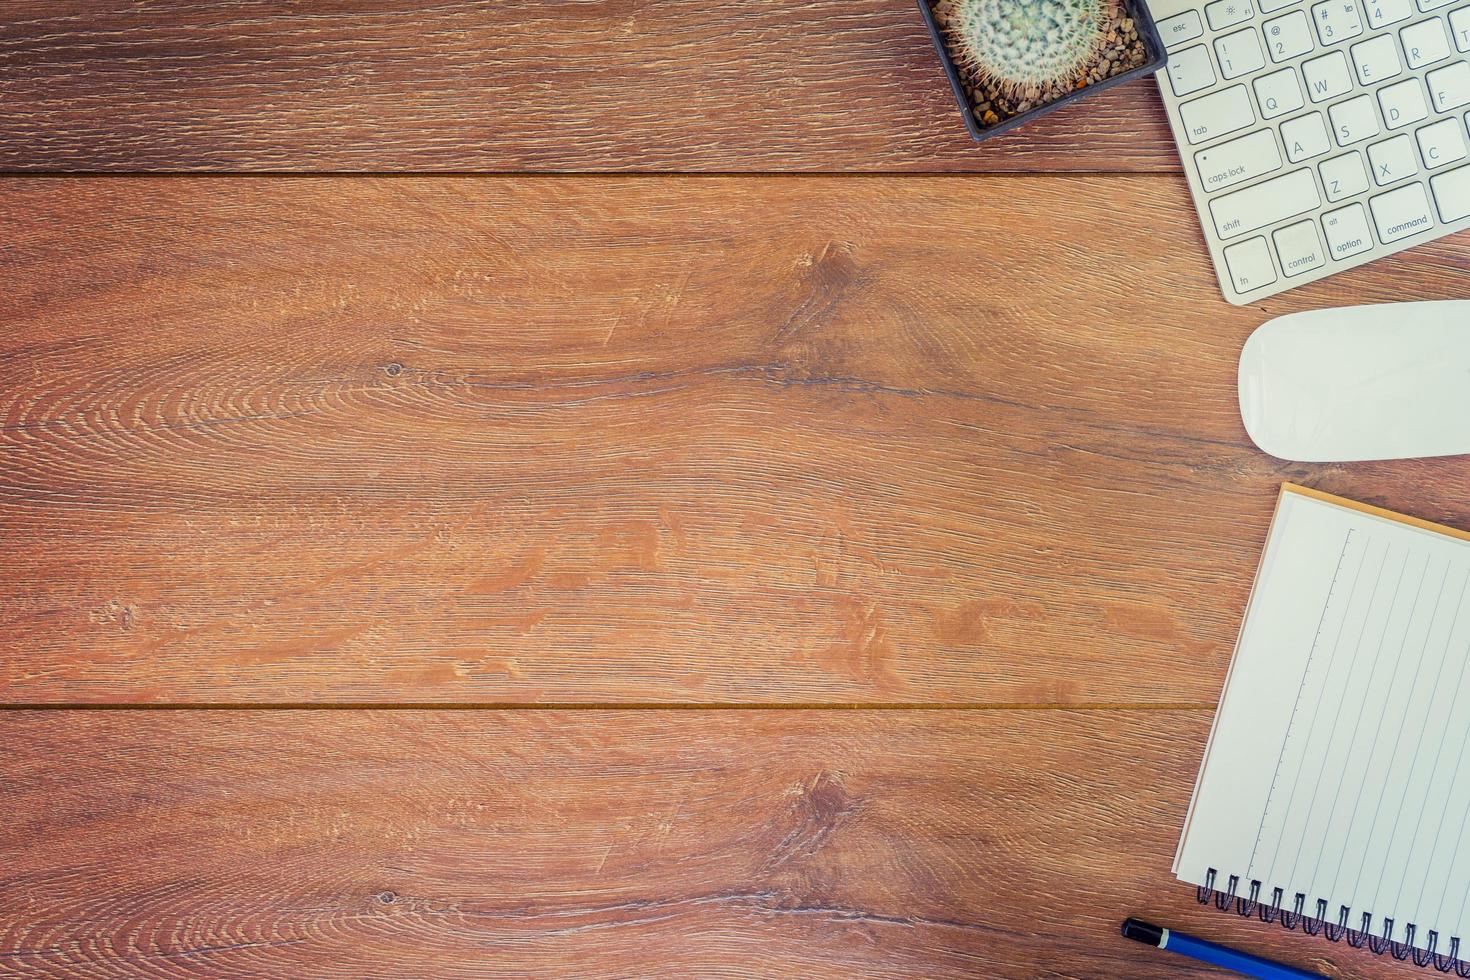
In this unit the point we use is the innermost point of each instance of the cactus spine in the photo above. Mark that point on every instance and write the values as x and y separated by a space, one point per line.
1023 46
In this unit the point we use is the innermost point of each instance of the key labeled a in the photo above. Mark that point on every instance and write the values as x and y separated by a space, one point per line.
1305 137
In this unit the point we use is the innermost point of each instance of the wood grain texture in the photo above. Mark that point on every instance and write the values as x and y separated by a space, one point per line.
515 85
580 844
631 439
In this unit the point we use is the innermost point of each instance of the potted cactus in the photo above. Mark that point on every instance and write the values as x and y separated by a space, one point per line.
1009 61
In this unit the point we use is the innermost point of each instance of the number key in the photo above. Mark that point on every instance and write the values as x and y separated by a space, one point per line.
1337 20
1384 12
1239 53
1288 36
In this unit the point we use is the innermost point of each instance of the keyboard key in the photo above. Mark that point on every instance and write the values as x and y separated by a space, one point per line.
1381 13
1452 194
1305 137
1180 28
1403 103
1343 177
1217 114
1239 53
1264 204
1427 5
1347 231
1239 160
1460 28
1299 248
1337 20
1289 36
1354 120
1250 265
1190 70
1424 43
1449 87
1227 13
1278 93
1392 160
1327 76
1271 6
1401 213
1377 60
1441 144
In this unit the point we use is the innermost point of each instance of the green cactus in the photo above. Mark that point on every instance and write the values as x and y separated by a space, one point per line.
1022 46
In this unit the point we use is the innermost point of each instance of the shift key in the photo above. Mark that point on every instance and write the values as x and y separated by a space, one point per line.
1264 204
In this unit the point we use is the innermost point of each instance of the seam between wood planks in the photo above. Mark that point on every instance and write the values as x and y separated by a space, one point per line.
568 174
1083 706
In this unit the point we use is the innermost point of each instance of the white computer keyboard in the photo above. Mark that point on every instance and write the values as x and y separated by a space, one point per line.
1318 136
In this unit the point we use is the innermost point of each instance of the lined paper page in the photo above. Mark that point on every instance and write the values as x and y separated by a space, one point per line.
1339 764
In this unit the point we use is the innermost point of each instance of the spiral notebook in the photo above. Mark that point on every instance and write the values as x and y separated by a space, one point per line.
1334 795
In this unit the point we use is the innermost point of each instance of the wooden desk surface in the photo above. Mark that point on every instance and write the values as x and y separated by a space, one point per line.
739 565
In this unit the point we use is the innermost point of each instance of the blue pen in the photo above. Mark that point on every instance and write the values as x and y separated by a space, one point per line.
1230 959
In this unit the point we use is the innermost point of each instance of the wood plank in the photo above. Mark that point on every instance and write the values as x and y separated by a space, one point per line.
575 844
515 85
632 439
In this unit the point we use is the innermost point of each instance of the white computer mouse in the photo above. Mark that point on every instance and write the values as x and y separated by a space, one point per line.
1390 381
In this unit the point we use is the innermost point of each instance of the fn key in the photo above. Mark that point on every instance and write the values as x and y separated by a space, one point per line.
1250 265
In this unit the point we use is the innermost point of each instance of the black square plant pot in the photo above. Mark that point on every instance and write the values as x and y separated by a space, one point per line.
1148 33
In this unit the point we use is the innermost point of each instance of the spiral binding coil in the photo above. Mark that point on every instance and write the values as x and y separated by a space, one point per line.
1333 931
